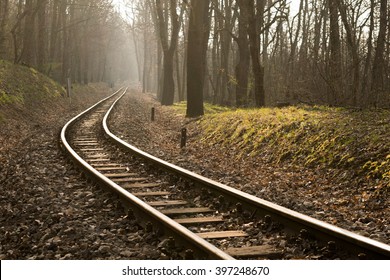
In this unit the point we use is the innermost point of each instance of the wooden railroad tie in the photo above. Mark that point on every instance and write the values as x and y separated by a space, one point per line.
141 185
222 234
129 180
161 193
182 211
201 220
119 175
166 203
262 251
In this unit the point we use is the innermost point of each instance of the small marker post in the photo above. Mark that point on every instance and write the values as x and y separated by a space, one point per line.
183 138
152 113
69 87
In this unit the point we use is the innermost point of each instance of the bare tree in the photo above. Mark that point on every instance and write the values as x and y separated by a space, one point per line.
28 54
256 19
42 34
242 67
168 46
378 69
198 32
4 11
335 70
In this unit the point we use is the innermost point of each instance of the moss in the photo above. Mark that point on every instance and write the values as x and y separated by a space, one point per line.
20 84
304 135
9 99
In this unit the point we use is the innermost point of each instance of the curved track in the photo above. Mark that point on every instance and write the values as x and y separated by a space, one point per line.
206 219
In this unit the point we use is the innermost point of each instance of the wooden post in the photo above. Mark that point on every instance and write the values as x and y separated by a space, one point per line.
183 139
69 87
152 113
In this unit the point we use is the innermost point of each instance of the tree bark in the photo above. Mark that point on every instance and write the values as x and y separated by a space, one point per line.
367 65
28 50
379 61
198 31
254 42
168 90
65 43
335 73
4 10
242 67
353 48
42 37
226 44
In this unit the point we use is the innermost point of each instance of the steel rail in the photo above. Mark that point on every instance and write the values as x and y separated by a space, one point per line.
200 246
296 221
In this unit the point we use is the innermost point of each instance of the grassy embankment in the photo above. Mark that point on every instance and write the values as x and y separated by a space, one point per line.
319 136
21 85
24 89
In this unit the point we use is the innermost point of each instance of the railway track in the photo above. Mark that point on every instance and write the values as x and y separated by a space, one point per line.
196 217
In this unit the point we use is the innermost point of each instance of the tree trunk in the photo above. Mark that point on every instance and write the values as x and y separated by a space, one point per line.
28 51
168 89
54 33
86 52
145 63
4 10
65 43
367 64
379 61
226 43
179 79
159 71
242 67
198 32
335 73
42 38
184 65
137 56
294 45
353 48
254 42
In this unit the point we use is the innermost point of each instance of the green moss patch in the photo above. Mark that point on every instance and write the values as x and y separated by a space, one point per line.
307 136
21 85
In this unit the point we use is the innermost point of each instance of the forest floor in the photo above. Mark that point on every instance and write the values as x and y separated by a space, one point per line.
329 163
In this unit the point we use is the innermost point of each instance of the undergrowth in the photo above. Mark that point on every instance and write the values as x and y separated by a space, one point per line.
304 135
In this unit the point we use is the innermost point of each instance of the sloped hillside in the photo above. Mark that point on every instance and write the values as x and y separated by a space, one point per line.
25 85
31 101
308 136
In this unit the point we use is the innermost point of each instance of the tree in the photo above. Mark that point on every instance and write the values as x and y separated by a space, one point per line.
42 37
378 72
169 48
242 67
255 20
353 49
4 10
335 73
28 50
198 32
224 23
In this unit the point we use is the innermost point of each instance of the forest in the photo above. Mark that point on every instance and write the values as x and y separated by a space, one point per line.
264 127
239 53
